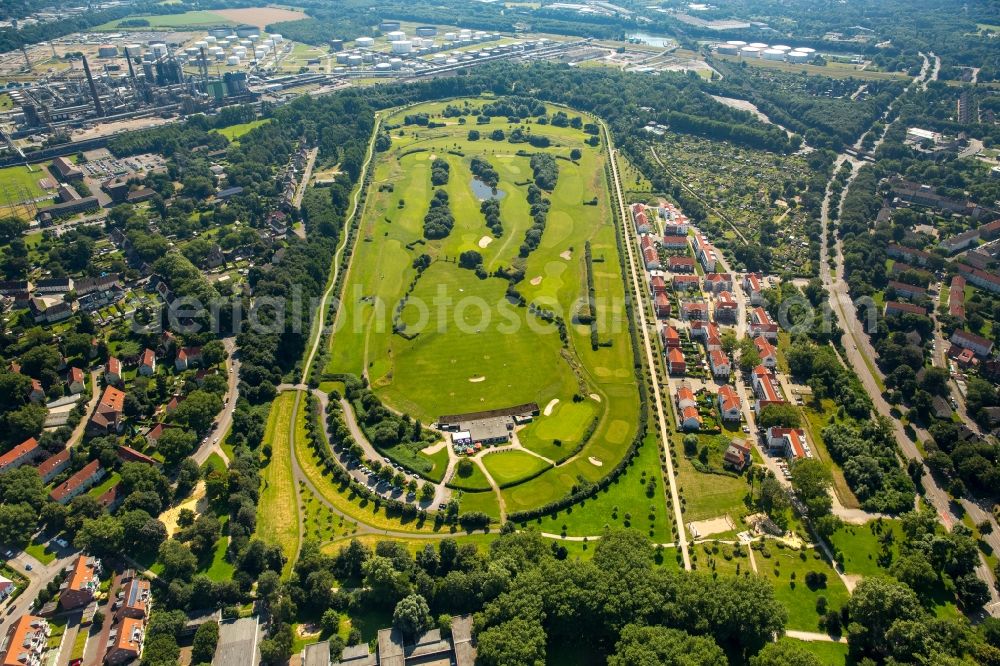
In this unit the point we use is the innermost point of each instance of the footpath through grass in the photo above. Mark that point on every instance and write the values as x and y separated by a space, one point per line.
278 518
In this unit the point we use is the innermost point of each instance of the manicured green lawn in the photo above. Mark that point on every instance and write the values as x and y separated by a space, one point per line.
829 654
707 496
440 461
485 502
861 546
466 348
214 462
320 523
476 480
624 503
278 518
509 467
105 485
40 551
794 594
185 20
234 132
22 181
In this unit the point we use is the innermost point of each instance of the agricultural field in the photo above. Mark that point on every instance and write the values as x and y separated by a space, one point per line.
446 339
195 19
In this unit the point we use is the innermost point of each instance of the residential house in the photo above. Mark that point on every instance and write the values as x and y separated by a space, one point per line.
687 409
172 404
82 583
729 403
737 455
690 419
984 279
752 287
60 285
75 381
680 264
719 363
767 352
136 599
26 641
53 465
907 290
25 452
676 365
694 310
726 308
788 442
675 242
65 169
127 643
705 252
36 393
900 308
671 338
78 483
128 454
663 307
686 283
108 413
976 343
657 285
113 371
187 357
716 282
651 258
908 254
762 324
956 298
766 388
147 366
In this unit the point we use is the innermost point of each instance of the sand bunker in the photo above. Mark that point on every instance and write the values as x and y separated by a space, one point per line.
595 397
476 380
485 241
549 407
596 462
567 255
536 281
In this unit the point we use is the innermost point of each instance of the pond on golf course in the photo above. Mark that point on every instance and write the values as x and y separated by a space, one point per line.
484 191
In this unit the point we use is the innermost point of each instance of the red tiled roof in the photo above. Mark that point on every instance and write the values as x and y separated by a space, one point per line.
26 447
75 481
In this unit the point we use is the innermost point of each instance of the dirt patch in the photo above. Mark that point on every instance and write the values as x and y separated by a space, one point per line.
567 255
307 629
260 16
535 281
197 503
476 380
596 462
701 528
485 241
549 407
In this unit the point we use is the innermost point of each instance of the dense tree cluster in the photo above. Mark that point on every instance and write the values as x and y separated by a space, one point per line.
867 453
484 171
438 221
491 212
539 212
439 171
545 171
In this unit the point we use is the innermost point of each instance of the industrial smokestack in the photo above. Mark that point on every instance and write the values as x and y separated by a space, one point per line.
93 88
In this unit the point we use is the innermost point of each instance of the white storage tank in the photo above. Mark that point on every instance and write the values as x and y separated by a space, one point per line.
758 45
737 43
426 31
254 38
450 36
232 61
368 57
750 52
451 61
107 51
772 54
403 46
200 44
364 42
383 67
388 26
277 38
133 50
395 36
781 47
396 63
342 57
246 42
804 49
354 60
799 57
727 49
211 39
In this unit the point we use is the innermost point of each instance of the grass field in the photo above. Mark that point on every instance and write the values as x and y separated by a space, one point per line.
195 19
234 132
793 593
488 353
835 70
707 496
829 654
18 183
861 546
509 467
278 519
474 481
624 503
440 462
485 502
40 551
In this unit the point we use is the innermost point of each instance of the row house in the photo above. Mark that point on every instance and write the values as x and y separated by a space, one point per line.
670 337
651 258
694 310
680 264
26 642
657 285
766 389
716 282
674 221
907 290
900 308
54 465
639 218
705 252
983 279
22 454
956 298
729 403
685 283
82 583
978 344
676 365
788 442
674 242
909 254
762 324
708 333
662 305
687 409
78 483
125 642
752 287
726 308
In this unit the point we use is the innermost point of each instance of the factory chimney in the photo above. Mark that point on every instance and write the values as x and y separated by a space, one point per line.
93 88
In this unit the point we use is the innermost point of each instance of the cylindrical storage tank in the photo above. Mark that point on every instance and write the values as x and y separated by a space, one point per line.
368 57
395 35
336 45
268 44
737 43
364 41
239 50
758 45
211 39
342 57
750 52
277 38
232 61
727 49
201 43
220 56
772 54
219 32
354 61
403 46
396 63
232 38
799 57
450 36
439 58
383 67
781 47
254 38
426 31
246 42
451 61
192 50
484 54
804 49
107 51
388 26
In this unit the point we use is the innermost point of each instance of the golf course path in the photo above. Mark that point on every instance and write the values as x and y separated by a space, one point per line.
478 460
